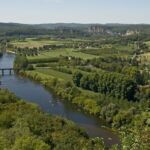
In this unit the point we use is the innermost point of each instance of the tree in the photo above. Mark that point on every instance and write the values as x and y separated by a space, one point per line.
114 84
133 73
20 62
30 143
77 77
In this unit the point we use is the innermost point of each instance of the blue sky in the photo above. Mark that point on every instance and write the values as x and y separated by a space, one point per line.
77 11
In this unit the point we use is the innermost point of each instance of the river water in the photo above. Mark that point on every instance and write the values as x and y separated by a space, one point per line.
35 93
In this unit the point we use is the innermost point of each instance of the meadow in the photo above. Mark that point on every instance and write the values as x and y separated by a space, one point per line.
63 52
148 43
31 42
55 74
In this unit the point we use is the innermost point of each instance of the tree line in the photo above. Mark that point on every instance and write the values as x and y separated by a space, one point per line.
114 84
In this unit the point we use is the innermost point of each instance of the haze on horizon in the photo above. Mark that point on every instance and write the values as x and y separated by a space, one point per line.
75 11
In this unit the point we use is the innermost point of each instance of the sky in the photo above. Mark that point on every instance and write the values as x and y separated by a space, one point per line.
75 11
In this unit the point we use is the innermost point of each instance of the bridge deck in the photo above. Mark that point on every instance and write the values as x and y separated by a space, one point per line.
2 70
6 68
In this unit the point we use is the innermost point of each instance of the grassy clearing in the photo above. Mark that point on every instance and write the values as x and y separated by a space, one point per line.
30 43
148 43
48 73
63 52
54 74
145 57
109 50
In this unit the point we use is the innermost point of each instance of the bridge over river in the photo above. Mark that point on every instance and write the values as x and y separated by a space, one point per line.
10 71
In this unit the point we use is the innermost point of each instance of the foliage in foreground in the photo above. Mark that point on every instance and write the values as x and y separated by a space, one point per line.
24 126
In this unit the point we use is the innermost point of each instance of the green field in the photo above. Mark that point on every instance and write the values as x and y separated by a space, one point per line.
145 57
148 43
63 52
33 42
54 74
109 50
83 53
30 43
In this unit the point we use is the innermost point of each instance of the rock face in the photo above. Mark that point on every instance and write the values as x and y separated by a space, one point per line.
108 30
96 29
131 32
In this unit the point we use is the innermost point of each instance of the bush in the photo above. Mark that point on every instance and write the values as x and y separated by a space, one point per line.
30 67
20 62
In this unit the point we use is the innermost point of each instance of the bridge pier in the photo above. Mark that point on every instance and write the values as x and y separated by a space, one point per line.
10 71
2 72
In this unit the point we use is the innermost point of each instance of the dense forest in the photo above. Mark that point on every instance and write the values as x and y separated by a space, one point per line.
114 84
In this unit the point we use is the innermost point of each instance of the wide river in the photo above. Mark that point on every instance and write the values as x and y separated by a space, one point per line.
35 93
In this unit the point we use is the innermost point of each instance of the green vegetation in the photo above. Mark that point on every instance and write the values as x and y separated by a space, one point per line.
1 54
108 50
24 126
131 118
21 62
31 43
148 43
106 74
63 52
54 73
114 84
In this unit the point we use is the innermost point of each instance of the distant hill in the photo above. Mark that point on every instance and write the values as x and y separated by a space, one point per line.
64 25
71 29
10 29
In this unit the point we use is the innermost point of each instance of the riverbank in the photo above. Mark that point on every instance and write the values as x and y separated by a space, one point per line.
12 52
125 122
130 128
131 119
30 128
33 92
65 90
68 92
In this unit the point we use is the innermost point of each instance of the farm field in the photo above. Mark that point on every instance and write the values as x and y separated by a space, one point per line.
109 50
148 43
62 52
79 48
33 42
55 74
145 57
30 43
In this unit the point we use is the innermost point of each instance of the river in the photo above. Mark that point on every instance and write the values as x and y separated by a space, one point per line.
35 93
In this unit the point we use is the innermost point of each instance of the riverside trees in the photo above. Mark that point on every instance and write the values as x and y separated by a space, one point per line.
24 126
1 54
114 84
20 62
